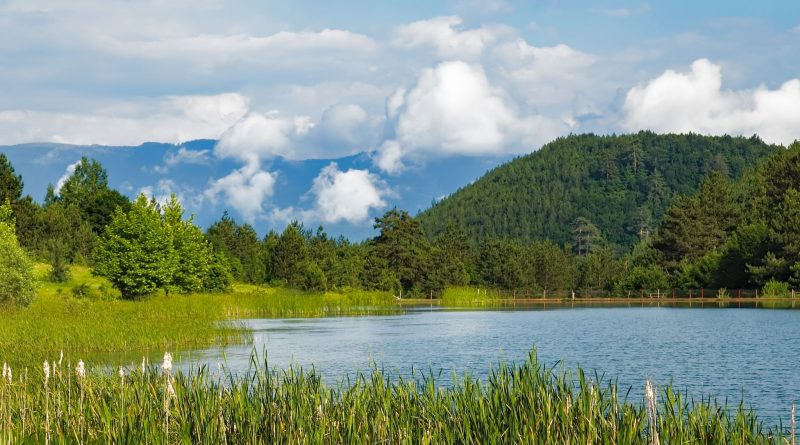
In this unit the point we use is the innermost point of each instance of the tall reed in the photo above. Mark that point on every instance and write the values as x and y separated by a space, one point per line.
523 403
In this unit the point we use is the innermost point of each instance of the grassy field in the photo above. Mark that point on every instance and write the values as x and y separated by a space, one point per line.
529 403
98 325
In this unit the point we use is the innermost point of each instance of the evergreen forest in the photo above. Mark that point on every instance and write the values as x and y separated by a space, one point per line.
598 215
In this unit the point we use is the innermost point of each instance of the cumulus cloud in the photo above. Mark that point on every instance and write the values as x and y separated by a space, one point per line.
261 135
63 179
244 189
446 36
545 75
453 109
171 119
347 195
343 129
696 102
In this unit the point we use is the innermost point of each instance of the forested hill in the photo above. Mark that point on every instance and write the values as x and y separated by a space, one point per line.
621 184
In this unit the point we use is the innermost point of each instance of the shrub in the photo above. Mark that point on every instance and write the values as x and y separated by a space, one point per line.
775 288
17 282
313 277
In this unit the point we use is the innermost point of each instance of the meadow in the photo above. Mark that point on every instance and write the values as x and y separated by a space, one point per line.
83 317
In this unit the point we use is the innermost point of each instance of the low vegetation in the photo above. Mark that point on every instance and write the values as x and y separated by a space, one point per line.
524 403
85 316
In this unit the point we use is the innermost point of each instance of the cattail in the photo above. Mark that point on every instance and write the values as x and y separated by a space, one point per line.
46 369
80 370
169 391
650 394
792 426
167 365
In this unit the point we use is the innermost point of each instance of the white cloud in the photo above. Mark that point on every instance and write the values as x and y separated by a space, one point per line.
445 35
172 119
545 75
186 156
222 48
245 190
259 136
696 102
347 196
63 179
163 190
454 109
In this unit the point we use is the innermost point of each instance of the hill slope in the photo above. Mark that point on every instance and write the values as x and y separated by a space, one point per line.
622 184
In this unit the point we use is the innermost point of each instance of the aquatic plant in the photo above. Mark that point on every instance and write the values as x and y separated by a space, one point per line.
523 403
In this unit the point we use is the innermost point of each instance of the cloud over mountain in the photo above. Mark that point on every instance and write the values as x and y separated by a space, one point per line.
696 102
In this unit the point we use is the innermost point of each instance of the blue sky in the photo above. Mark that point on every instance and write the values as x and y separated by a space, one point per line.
411 84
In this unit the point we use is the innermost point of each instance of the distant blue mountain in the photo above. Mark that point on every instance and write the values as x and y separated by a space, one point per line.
133 168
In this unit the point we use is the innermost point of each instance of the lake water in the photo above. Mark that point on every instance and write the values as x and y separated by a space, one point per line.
726 353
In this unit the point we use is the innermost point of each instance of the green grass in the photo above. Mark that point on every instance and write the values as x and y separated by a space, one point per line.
110 329
527 403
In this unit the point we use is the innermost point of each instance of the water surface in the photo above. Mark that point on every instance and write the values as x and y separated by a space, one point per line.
726 353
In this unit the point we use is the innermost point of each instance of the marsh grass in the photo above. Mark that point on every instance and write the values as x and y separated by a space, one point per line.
526 403
111 330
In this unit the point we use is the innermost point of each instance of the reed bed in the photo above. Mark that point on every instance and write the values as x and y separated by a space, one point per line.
524 403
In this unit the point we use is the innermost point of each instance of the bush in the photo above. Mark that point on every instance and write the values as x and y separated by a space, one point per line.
775 288
59 267
313 277
17 282
218 277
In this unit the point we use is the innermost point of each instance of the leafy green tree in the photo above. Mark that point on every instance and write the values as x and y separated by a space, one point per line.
549 266
135 252
17 282
313 277
218 278
191 253
454 258
500 263
246 254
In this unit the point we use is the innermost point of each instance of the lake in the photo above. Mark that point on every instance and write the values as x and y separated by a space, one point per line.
725 353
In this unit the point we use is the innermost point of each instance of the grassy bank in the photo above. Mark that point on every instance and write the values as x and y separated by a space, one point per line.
97 325
528 403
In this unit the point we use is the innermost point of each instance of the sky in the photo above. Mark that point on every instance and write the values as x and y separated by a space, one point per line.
407 84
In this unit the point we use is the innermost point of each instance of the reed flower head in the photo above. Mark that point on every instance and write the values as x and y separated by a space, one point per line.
8 376
170 388
61 357
81 369
167 365
122 373
144 364
5 370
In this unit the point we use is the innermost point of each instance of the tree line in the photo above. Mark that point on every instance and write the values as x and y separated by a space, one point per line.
735 231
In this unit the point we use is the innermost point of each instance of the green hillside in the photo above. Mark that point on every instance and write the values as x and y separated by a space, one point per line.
622 184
